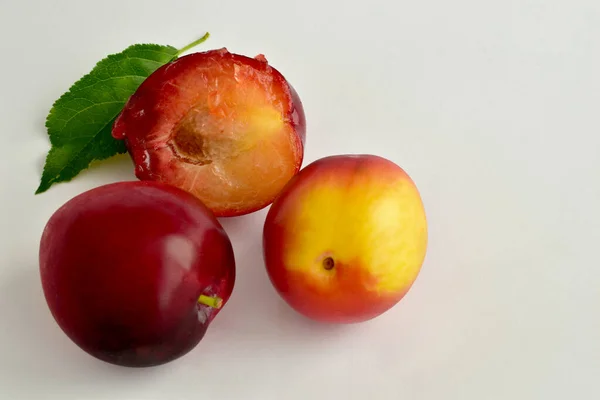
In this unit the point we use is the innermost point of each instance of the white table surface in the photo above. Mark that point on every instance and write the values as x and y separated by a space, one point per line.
492 108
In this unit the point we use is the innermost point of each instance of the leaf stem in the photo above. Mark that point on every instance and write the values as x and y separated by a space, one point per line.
214 302
193 44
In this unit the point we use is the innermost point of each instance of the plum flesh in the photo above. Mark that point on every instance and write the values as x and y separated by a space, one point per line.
227 128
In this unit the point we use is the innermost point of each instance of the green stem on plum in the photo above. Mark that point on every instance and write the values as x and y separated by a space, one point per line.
193 44
214 302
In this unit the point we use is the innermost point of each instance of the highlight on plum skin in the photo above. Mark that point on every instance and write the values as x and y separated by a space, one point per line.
135 272
225 127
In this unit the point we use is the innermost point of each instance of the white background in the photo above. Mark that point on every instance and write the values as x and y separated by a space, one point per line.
491 107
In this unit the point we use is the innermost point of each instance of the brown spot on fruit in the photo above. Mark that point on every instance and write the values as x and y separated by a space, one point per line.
328 263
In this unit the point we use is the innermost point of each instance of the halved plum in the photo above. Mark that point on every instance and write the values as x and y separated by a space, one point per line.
225 127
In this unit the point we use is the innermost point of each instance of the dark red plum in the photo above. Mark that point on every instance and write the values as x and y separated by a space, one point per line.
134 272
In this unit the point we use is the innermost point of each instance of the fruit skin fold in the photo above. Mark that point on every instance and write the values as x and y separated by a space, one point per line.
122 268
227 128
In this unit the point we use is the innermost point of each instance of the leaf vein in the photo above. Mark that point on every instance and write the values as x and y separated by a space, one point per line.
92 106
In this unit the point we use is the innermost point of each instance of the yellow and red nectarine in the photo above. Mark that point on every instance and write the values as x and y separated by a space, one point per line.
345 239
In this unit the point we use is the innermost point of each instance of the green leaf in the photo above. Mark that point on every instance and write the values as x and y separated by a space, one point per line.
80 121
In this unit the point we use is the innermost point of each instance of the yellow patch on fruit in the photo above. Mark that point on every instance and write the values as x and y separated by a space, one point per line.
258 120
378 226
262 123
